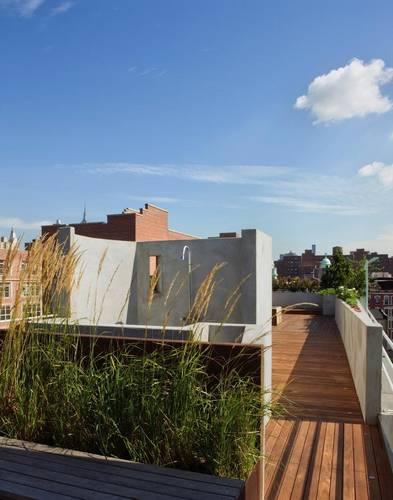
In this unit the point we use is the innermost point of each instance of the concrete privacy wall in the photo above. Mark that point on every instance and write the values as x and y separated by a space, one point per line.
114 280
103 277
285 298
246 264
362 340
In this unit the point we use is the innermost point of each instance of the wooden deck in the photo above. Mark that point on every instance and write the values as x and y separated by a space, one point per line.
321 449
32 471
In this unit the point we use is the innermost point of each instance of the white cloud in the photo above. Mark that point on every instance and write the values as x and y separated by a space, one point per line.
17 223
24 8
231 174
383 172
62 8
350 91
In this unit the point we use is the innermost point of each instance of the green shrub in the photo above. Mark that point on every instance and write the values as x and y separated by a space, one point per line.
348 295
295 284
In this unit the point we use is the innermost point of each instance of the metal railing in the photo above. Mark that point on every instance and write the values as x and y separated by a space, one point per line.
387 363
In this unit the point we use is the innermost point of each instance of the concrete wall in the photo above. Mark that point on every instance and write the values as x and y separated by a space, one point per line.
285 298
103 278
247 263
113 280
362 340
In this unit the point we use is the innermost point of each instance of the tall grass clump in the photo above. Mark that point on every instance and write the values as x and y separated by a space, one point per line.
160 405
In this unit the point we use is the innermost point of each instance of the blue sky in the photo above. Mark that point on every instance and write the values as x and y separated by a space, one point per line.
231 114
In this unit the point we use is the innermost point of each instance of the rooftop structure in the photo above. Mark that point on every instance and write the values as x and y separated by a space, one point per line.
146 224
118 275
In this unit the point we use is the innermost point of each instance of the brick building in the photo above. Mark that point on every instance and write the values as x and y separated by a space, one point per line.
146 224
306 265
381 300
288 265
12 262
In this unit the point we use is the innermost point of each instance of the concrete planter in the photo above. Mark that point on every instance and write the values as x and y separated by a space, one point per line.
286 298
328 305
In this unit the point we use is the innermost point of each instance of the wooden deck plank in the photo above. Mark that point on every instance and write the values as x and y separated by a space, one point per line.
327 463
361 487
10 491
336 484
288 482
112 482
303 469
316 463
275 464
118 467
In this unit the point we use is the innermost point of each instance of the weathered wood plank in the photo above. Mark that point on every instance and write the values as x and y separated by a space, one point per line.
106 480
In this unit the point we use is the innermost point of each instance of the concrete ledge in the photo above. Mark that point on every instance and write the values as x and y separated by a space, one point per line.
362 339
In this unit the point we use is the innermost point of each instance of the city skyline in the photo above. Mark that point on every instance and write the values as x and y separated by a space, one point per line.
204 109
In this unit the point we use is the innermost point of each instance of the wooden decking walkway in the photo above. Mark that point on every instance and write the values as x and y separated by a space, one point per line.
320 449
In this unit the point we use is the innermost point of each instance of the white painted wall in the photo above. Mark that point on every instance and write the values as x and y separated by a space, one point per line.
362 339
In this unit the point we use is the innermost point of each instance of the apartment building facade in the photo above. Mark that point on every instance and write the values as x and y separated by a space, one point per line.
381 303
17 297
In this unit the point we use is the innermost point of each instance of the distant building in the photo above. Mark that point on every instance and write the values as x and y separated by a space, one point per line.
146 224
12 263
288 265
306 265
381 302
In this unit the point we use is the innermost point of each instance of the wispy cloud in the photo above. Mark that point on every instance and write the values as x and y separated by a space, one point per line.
155 199
231 174
62 8
153 71
295 189
310 206
17 223
347 92
25 8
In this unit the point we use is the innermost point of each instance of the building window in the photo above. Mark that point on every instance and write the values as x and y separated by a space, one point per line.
31 290
386 300
5 289
31 310
377 299
23 266
2 267
5 313
154 274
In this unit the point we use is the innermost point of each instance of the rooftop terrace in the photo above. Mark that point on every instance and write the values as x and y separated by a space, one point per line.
319 449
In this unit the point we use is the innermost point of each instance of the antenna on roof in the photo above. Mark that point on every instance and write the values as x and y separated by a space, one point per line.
84 220
13 238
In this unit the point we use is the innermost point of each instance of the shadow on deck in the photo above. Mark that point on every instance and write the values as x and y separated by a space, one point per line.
321 448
